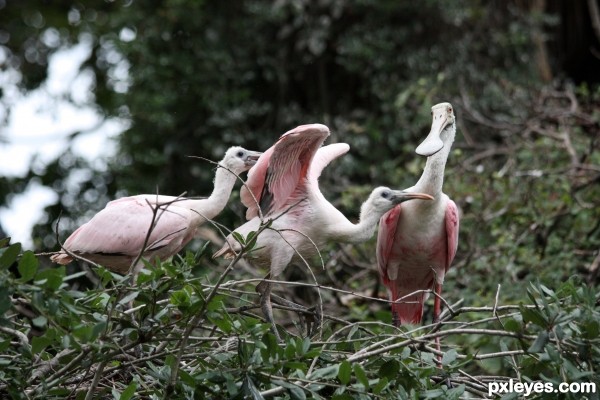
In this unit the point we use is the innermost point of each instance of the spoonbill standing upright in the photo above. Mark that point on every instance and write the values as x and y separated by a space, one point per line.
115 236
417 241
284 184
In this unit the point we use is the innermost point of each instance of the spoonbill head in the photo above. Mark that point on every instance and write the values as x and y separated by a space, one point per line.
441 133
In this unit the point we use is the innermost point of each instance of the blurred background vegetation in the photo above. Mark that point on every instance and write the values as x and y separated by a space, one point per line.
523 77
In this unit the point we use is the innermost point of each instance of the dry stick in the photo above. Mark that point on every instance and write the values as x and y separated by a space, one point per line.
460 371
333 289
308 267
260 215
514 365
279 389
119 294
153 223
55 378
21 337
63 248
96 380
47 366
359 356
198 317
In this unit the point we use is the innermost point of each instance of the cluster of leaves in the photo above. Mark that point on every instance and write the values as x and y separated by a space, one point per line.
186 337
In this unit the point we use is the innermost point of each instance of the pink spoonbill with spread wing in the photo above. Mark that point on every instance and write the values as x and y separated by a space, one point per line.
284 184
417 241
115 236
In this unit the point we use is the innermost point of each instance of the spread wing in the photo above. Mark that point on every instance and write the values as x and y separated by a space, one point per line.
324 156
282 169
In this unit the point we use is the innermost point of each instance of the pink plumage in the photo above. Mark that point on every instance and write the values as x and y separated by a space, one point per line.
284 185
417 241
116 235
281 169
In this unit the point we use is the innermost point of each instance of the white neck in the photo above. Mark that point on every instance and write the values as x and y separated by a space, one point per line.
432 179
216 202
347 232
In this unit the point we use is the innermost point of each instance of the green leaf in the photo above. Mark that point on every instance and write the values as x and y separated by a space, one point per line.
237 236
389 369
129 391
449 357
359 372
455 392
250 390
305 346
97 330
342 396
28 266
5 303
9 255
296 393
382 384
591 329
181 298
39 343
250 236
325 372
51 278
130 297
433 394
221 322
40 321
534 316
539 343
4 242
345 372
512 325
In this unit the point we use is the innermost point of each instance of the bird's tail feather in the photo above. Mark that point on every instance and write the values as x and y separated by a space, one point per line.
61 258
409 310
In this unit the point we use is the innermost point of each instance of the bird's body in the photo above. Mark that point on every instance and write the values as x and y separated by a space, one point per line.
284 185
417 241
115 236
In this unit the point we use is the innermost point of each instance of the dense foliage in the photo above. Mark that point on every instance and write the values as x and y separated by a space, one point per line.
521 302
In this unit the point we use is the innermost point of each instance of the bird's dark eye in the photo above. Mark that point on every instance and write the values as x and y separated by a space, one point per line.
240 154
385 194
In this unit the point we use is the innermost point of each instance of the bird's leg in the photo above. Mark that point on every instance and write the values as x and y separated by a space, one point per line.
313 311
287 303
437 305
264 289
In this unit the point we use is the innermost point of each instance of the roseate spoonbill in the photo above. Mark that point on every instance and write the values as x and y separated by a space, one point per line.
115 236
417 241
284 182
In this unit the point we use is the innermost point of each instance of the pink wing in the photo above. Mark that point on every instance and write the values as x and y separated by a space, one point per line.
325 155
385 240
452 225
116 234
281 169
252 189
411 309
